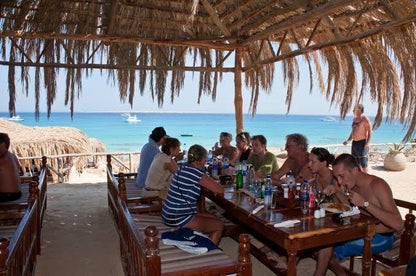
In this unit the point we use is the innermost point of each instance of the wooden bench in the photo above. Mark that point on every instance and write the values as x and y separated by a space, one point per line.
133 196
18 207
142 254
19 243
404 245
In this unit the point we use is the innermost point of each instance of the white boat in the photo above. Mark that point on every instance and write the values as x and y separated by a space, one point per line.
15 118
328 119
132 119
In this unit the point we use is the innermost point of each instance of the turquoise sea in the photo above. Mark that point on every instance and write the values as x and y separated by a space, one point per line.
119 135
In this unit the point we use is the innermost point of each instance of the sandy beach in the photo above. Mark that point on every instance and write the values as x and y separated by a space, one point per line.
79 237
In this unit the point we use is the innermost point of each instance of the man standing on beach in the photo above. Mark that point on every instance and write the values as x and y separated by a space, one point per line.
9 172
147 154
380 205
360 135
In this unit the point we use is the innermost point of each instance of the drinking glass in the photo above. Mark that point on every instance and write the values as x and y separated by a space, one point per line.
256 187
319 196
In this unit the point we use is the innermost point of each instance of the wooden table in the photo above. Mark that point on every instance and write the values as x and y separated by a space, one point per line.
309 233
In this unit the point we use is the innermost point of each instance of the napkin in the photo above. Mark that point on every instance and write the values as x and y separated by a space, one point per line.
354 211
287 223
258 208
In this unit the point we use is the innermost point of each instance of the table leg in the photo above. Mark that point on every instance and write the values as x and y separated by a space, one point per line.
291 262
367 251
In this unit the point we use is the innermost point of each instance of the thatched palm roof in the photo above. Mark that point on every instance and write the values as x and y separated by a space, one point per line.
49 141
352 47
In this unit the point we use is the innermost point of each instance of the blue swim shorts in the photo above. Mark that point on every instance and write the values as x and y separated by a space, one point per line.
359 151
379 243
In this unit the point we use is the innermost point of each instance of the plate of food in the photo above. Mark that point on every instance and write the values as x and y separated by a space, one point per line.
335 207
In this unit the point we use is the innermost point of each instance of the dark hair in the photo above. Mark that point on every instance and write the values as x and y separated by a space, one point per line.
260 138
157 134
4 138
323 155
245 136
169 143
347 159
196 153
227 135
360 107
300 140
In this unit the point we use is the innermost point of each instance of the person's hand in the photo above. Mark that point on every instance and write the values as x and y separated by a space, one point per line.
330 190
259 175
345 142
356 199
367 146
179 156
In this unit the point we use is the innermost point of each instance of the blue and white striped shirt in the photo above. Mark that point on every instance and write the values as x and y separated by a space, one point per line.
180 205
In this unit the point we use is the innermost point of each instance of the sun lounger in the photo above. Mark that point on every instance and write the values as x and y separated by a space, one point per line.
19 242
143 254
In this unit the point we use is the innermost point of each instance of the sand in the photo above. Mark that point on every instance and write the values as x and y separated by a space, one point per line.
79 237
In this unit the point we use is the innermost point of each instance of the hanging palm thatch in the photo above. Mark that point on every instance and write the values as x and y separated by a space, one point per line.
351 47
49 141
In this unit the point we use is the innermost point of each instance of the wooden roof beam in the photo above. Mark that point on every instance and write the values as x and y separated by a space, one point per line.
119 67
239 7
325 9
343 40
113 12
215 44
268 17
357 18
313 32
237 25
214 16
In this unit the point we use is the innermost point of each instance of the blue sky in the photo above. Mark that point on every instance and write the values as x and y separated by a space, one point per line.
98 95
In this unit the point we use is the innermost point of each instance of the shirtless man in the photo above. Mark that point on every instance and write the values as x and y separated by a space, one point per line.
9 172
361 192
360 135
297 159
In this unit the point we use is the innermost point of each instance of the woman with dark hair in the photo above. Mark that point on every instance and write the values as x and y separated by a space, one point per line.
319 161
163 167
180 207
242 141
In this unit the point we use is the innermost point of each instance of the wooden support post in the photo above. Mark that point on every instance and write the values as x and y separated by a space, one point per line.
238 98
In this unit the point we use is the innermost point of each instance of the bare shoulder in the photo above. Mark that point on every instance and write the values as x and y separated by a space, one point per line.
379 184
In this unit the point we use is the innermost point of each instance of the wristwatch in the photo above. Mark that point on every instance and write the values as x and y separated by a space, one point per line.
366 204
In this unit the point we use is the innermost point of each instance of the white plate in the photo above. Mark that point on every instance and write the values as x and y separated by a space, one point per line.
329 208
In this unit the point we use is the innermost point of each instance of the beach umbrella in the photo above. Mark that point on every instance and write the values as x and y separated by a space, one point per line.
351 48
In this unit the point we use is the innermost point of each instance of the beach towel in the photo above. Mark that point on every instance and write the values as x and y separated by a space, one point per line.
189 240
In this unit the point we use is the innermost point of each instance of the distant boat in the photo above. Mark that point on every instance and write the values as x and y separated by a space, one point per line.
132 119
329 119
186 135
15 118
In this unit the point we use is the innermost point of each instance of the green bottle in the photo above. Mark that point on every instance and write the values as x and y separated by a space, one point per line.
239 177
263 188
